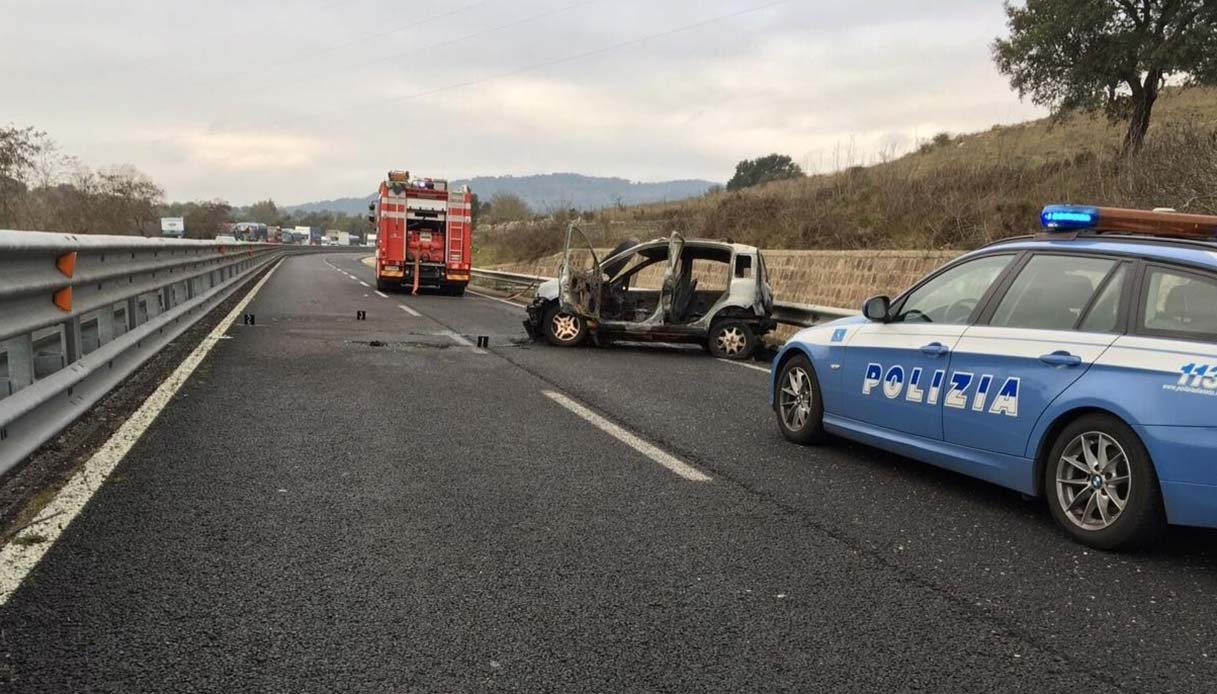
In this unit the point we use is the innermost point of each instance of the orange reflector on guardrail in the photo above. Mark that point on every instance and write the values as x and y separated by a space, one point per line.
66 263
63 299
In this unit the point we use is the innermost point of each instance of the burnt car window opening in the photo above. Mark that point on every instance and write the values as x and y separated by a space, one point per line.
743 266
702 285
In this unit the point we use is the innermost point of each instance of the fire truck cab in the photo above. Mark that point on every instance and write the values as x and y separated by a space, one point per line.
424 234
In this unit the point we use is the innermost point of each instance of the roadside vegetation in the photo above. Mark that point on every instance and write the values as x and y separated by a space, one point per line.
44 189
1105 70
953 192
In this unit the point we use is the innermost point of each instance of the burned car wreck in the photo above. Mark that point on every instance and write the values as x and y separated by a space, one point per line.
712 293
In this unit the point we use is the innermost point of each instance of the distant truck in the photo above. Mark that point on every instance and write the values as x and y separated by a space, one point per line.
424 234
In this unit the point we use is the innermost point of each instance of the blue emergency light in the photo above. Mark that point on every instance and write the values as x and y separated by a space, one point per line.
1069 217
1160 223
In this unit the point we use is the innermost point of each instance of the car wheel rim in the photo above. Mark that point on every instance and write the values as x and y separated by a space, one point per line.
795 399
731 340
565 327
1093 481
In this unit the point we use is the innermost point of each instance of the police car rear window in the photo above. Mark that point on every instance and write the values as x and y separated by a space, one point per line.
1180 303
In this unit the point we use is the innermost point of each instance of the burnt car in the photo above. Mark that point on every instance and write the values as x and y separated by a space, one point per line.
713 293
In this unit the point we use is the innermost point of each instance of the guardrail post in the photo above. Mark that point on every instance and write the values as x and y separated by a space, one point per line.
20 351
71 340
132 313
105 325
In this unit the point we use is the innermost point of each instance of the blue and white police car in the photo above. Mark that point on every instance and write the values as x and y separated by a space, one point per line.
1080 364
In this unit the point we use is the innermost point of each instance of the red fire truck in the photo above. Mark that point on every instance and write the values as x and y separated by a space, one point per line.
424 234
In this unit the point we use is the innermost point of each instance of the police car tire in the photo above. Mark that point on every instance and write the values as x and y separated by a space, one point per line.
812 431
547 328
1144 517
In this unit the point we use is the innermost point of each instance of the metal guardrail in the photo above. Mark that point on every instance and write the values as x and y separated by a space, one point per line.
79 313
512 279
788 313
807 315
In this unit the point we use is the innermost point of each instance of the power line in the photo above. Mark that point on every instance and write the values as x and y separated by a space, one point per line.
354 42
97 79
448 42
481 32
545 64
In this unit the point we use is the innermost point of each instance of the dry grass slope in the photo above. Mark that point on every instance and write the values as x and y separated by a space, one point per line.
957 195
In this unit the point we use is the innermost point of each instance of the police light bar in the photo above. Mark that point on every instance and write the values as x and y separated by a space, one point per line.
1065 218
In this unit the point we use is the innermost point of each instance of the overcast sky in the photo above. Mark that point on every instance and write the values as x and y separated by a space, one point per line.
318 98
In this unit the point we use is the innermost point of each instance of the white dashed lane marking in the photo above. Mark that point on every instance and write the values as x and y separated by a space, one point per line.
746 365
644 447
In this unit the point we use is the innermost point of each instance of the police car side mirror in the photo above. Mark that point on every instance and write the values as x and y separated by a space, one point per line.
877 308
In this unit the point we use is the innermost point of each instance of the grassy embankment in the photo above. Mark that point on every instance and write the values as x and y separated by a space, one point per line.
953 193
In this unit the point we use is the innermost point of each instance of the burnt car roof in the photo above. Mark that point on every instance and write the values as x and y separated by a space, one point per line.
691 243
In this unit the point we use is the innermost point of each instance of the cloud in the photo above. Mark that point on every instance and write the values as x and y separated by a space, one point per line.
250 150
303 102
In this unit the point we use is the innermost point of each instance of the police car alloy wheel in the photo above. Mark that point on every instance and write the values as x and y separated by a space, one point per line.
797 403
1101 485
563 329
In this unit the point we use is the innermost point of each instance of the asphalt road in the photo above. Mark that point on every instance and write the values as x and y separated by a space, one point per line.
339 505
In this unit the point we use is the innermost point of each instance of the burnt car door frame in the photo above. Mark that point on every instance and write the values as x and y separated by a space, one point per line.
568 294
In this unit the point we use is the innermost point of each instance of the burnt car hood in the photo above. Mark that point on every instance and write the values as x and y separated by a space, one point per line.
548 290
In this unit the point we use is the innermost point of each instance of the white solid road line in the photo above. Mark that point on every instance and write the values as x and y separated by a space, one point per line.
495 298
410 311
382 295
651 451
365 284
18 558
754 367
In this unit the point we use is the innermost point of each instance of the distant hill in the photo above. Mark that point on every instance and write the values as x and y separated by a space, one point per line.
547 192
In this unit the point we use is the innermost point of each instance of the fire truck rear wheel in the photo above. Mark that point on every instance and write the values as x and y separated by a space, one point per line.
563 329
383 286
456 290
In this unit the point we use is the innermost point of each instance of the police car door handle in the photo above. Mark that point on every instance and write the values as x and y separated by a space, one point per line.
1061 358
935 349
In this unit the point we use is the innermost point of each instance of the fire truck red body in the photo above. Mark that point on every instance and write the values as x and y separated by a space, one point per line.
424 234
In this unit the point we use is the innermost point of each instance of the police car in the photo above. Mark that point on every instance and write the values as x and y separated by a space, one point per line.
1079 364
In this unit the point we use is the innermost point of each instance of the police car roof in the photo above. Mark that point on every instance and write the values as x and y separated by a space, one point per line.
1192 252
1161 234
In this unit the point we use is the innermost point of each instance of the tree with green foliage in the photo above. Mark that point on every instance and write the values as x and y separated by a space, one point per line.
206 219
754 172
506 207
1114 55
264 212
